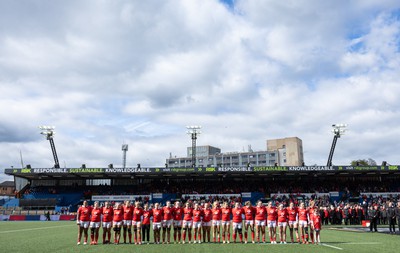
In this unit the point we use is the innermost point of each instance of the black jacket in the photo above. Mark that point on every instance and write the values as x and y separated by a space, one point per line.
397 211
391 212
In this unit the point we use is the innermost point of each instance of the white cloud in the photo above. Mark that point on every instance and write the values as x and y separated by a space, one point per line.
110 72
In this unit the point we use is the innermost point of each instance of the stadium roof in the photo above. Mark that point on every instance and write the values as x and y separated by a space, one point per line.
7 184
109 173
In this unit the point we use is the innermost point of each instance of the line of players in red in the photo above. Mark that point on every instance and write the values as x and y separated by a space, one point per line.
194 221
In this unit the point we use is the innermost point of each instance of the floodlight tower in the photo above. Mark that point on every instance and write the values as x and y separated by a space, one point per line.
337 130
124 149
49 132
193 131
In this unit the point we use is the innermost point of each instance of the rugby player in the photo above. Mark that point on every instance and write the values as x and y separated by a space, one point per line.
127 222
271 222
167 222
178 215
206 222
237 222
282 222
261 216
226 222
95 219
303 223
83 221
216 221
197 217
187 222
107 222
157 212
136 222
249 212
117 221
293 221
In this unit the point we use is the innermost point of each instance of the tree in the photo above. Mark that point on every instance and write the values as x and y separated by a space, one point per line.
363 162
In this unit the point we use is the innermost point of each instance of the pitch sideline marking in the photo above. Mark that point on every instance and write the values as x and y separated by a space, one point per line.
30 229
330 246
361 243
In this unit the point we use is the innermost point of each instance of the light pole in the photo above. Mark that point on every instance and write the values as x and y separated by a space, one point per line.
124 150
193 131
337 130
49 132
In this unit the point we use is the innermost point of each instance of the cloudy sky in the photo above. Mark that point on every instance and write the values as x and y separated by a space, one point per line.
137 72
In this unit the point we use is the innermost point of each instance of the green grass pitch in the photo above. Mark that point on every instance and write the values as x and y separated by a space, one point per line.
37 236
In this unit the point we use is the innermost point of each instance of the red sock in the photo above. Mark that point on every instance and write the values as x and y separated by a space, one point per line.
91 237
229 236
184 236
241 237
312 236
199 236
223 237
252 236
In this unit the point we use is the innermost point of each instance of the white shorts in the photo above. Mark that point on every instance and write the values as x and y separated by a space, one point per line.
260 223
196 224
117 223
84 224
156 225
95 224
294 223
206 224
167 223
136 223
282 224
237 225
216 222
271 224
249 222
303 223
177 223
187 224
127 222
223 223
107 224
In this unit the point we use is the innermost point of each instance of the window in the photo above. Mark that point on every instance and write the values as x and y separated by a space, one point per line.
98 181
